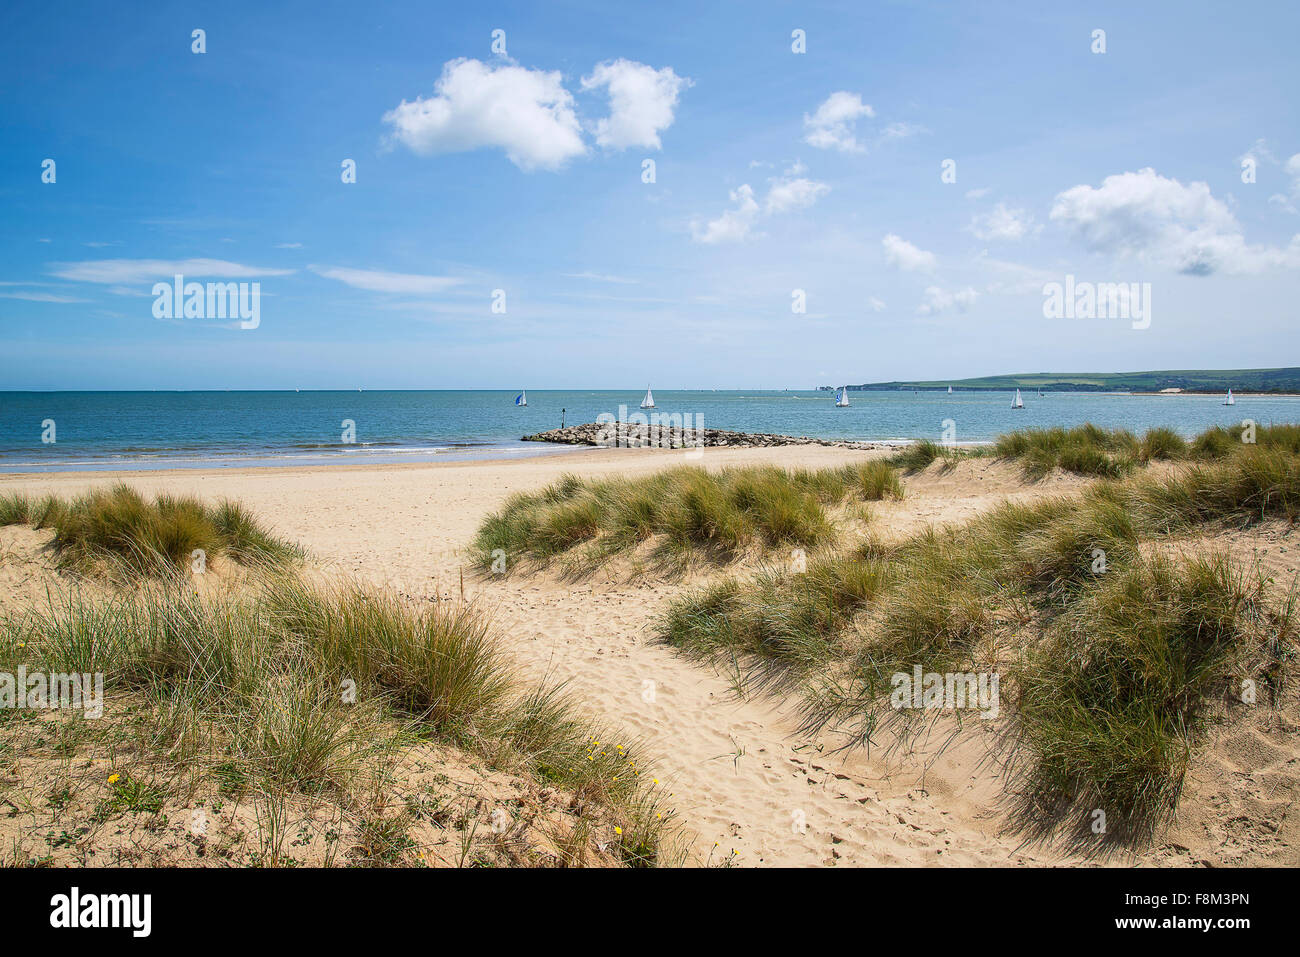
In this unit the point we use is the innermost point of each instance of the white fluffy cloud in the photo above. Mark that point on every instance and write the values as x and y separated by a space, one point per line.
833 125
784 194
1289 199
376 280
1003 223
127 272
938 300
1159 220
734 224
527 113
531 115
903 255
642 101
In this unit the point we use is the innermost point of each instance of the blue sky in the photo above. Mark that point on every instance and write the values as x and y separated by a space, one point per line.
775 171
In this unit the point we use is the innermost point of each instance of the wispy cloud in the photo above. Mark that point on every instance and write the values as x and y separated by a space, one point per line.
785 193
598 277
39 297
833 124
1004 223
939 300
903 255
129 271
1011 278
375 280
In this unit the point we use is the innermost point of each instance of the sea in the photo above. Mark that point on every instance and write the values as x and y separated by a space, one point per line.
58 431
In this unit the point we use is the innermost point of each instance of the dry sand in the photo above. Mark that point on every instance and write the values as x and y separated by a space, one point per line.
746 784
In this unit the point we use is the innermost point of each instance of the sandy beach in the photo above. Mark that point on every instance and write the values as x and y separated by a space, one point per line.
746 784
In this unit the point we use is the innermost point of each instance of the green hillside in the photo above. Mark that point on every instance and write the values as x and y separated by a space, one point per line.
1191 380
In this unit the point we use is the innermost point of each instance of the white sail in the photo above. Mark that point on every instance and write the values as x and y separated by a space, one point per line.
1229 400
843 401
1018 403
521 399
649 401
950 390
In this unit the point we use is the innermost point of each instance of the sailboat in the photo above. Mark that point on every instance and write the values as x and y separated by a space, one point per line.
1017 402
950 390
649 401
843 401
1229 400
521 399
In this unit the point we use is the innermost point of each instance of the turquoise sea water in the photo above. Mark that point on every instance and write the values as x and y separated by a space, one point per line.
115 430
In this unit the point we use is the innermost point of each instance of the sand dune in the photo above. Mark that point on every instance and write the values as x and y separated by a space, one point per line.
746 784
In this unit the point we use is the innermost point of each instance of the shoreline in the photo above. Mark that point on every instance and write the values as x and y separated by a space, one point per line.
546 451
588 456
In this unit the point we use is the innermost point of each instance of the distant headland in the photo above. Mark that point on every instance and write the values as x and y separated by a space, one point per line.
1285 380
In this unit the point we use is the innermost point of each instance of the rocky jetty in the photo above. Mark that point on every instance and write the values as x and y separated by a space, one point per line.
631 435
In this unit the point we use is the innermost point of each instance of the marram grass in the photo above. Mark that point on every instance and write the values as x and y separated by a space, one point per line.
1126 658
119 529
688 511
298 687
1113 453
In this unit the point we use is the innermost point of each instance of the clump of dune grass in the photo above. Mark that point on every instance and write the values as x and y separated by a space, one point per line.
950 598
690 511
1112 453
1161 443
1215 443
1220 441
17 508
1252 485
119 528
789 621
1084 450
316 688
873 481
1284 437
942 591
938 594
1112 705
916 456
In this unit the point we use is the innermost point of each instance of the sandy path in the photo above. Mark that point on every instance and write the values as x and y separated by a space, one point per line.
739 775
